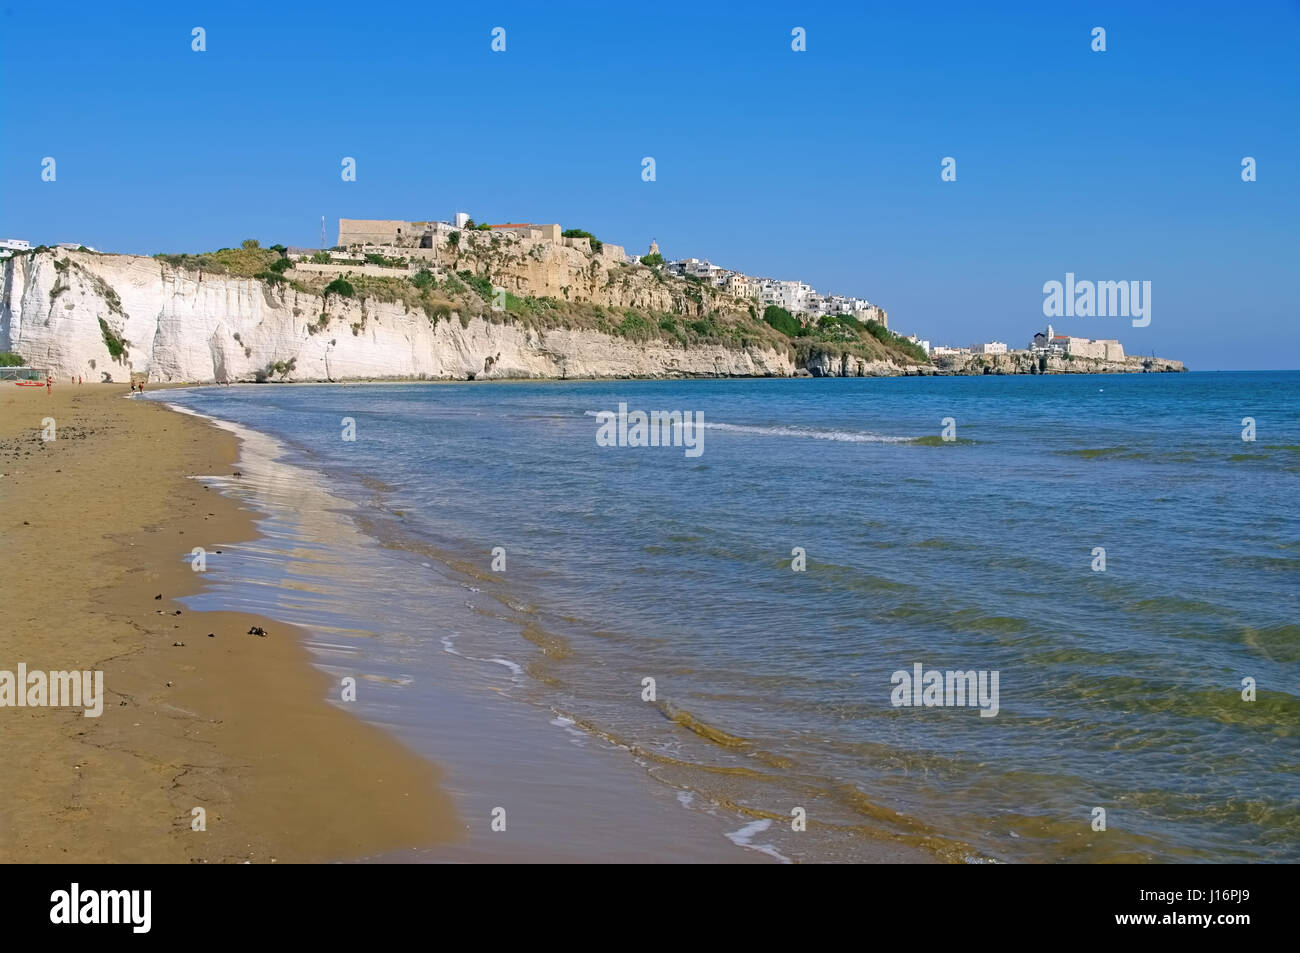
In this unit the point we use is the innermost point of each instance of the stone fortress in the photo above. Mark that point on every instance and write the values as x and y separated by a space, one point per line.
1049 342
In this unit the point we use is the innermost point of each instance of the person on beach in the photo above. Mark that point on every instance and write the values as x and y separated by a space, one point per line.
49 381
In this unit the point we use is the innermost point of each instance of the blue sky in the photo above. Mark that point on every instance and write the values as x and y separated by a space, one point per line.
821 165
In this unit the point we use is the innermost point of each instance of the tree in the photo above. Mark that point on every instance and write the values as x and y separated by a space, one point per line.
652 260
250 243
339 287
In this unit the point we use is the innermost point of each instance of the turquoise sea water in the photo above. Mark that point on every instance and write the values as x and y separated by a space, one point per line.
1119 690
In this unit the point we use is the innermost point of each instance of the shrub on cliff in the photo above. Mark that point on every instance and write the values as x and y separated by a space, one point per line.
116 345
897 342
383 261
281 266
652 260
339 287
10 359
783 321
480 283
634 327
245 261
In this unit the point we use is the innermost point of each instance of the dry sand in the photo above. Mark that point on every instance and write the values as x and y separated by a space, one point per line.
94 525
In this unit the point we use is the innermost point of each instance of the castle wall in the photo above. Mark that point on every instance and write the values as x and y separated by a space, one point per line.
355 231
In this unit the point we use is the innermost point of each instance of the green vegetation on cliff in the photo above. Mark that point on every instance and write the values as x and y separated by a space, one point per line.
687 311
116 346
245 262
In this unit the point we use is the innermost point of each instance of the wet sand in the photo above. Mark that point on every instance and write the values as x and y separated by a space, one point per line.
93 526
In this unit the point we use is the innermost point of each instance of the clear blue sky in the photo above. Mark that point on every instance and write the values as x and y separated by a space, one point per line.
822 165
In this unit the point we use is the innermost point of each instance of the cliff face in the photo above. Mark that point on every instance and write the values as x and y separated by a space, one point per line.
822 364
570 274
106 316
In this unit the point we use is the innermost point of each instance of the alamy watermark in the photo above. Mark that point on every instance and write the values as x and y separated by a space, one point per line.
935 689
131 907
1100 299
658 428
25 689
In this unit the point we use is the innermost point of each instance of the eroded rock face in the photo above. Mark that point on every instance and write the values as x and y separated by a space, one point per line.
848 365
69 310
1023 362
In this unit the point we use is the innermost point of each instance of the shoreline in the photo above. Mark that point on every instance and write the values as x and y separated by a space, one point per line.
501 743
235 724
318 562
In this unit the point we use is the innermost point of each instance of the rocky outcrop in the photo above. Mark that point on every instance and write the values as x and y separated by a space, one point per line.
823 364
1024 362
108 316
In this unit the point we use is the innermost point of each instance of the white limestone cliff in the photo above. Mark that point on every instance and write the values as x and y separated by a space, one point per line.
60 309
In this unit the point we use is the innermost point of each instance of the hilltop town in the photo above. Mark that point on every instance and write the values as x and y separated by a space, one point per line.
437 243
465 300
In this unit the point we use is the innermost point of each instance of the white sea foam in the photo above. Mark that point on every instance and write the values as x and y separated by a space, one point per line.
576 735
745 838
449 646
808 433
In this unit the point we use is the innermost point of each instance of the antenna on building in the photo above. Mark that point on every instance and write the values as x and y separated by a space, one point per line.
322 231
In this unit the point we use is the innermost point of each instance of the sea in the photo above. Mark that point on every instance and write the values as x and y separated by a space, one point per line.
705 650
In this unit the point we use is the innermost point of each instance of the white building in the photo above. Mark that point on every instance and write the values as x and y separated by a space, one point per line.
990 347
794 296
10 245
923 345
791 295
73 246
740 286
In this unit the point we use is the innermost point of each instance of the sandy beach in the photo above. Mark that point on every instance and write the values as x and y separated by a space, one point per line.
97 523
